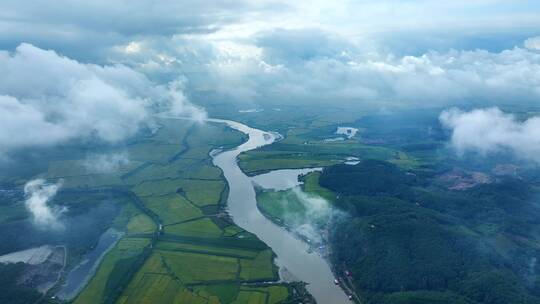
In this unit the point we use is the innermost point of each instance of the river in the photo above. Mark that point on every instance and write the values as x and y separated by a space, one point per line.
80 275
292 253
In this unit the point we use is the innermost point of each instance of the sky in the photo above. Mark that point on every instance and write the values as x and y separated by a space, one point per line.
101 68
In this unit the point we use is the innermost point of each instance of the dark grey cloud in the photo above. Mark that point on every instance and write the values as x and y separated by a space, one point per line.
85 30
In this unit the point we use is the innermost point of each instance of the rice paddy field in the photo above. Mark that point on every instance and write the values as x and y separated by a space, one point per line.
179 246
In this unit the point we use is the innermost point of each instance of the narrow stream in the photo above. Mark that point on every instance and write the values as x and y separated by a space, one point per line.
292 253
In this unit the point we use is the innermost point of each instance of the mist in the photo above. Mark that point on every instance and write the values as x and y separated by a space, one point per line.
318 212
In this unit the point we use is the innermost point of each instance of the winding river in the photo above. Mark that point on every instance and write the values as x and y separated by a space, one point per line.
292 253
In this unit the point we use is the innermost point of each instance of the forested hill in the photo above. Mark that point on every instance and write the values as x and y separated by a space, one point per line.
370 177
408 240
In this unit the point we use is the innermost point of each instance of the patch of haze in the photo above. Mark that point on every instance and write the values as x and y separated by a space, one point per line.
106 163
319 212
38 194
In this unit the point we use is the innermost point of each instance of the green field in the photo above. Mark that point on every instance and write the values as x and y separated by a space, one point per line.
293 207
283 206
199 256
120 256
198 228
172 208
304 146
311 186
179 246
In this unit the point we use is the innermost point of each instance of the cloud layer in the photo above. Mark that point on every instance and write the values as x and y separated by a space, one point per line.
38 195
309 66
87 30
90 29
533 43
46 99
490 130
419 52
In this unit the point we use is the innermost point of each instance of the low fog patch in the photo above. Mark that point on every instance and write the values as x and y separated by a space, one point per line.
315 218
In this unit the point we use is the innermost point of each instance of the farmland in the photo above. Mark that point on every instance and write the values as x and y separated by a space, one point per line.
199 255
309 141
420 227
167 198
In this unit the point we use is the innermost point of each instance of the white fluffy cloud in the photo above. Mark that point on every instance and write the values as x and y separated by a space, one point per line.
285 68
46 99
276 50
280 51
533 43
491 130
38 195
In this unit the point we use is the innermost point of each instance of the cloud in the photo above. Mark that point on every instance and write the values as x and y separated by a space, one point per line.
38 195
490 130
287 52
87 30
120 20
179 104
533 43
46 99
292 46
106 163
273 50
288 70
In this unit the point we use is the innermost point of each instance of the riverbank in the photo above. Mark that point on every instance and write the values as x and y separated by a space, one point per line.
292 253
